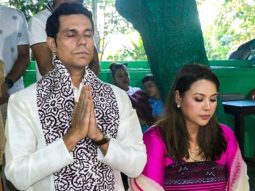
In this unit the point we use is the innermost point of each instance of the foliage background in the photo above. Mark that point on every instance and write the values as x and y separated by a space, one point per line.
233 25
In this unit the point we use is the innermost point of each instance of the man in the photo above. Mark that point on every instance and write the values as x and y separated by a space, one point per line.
156 103
14 50
37 39
14 54
54 143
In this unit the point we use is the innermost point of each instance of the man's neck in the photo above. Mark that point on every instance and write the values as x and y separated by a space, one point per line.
76 80
157 96
77 77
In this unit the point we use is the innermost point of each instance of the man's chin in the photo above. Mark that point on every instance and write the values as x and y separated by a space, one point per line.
83 62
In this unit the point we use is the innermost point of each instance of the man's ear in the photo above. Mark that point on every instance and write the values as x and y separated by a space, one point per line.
52 44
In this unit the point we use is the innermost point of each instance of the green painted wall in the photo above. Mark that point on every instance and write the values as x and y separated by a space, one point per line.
236 77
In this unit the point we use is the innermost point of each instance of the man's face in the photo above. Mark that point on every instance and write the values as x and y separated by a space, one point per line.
74 44
151 88
121 79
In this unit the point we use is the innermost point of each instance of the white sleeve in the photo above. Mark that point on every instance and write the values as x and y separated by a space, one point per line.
27 164
22 30
127 152
36 30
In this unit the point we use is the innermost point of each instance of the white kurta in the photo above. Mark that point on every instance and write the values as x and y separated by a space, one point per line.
30 163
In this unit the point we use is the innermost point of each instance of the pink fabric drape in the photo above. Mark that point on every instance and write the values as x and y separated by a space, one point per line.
157 160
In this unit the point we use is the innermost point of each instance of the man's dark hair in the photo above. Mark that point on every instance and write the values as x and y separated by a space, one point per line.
65 9
114 66
147 78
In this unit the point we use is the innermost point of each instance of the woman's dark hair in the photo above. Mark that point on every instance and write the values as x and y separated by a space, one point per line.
210 139
52 25
114 66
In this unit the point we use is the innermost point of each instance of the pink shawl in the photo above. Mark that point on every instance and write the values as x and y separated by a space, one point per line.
152 177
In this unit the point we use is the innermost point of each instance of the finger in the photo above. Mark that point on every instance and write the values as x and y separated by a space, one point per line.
86 101
74 110
86 111
79 110
82 95
92 118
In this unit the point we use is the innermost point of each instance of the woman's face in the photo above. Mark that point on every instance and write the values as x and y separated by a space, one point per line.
198 104
121 79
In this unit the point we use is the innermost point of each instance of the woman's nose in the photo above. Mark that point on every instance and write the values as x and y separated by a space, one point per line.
207 105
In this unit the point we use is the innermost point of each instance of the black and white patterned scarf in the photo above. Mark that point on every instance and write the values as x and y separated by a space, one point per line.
55 101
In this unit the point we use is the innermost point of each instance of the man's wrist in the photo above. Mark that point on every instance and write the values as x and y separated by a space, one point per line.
9 83
102 141
70 141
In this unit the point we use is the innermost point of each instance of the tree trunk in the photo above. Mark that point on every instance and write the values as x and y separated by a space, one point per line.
171 34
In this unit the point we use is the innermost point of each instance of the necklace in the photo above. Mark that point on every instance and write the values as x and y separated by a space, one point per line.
194 155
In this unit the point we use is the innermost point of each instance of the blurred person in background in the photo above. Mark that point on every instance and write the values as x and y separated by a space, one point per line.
155 100
14 53
139 99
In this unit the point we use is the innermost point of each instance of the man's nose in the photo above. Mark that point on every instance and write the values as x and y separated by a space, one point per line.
81 40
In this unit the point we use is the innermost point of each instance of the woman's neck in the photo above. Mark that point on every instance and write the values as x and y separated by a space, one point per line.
193 131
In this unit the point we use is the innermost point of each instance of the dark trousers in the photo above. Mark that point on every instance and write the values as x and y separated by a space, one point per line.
1 182
125 181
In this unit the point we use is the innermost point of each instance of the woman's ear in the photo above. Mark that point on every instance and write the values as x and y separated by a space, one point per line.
52 44
178 99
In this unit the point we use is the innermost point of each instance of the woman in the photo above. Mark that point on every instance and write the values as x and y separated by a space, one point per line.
188 149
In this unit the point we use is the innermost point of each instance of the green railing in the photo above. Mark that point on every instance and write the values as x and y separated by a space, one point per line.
225 69
236 78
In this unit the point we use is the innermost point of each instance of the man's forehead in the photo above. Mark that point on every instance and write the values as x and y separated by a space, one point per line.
74 19
149 82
